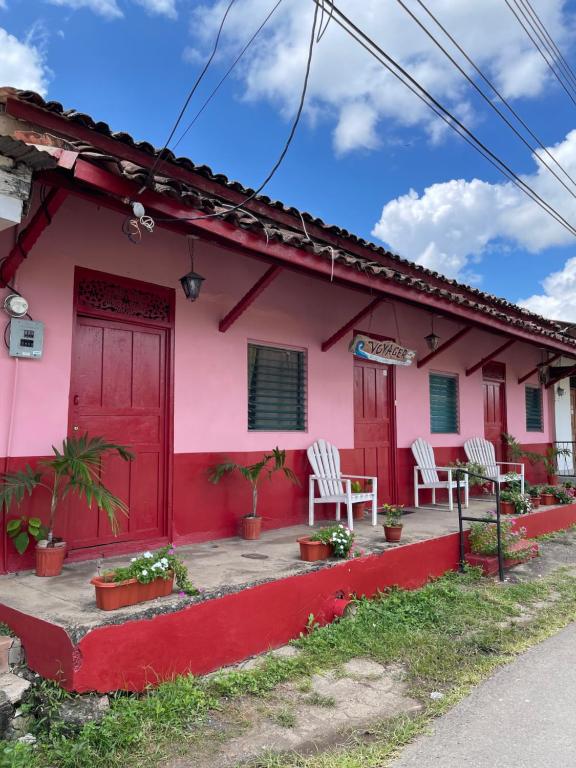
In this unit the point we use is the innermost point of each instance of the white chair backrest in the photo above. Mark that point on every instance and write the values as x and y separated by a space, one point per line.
481 451
424 455
325 462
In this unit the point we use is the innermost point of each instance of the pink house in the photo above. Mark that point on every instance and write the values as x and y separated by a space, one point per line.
260 359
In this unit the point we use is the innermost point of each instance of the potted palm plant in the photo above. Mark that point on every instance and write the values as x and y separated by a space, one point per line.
252 522
75 469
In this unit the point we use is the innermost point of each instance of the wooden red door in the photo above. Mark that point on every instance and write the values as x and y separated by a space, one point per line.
374 425
494 385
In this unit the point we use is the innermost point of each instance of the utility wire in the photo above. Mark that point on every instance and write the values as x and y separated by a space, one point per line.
191 93
406 79
227 73
285 148
536 43
559 56
485 97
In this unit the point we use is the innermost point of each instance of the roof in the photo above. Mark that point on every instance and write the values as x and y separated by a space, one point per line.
23 153
375 260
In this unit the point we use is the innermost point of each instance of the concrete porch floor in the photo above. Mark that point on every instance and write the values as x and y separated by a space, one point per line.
217 568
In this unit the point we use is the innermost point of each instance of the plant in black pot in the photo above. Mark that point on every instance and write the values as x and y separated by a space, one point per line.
266 467
76 469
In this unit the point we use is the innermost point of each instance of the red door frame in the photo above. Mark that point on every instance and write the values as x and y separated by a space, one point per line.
168 294
393 433
495 373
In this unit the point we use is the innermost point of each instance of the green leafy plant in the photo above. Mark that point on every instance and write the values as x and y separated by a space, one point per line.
75 469
253 473
471 469
534 491
549 459
154 565
483 537
393 514
22 530
522 501
356 486
564 495
338 536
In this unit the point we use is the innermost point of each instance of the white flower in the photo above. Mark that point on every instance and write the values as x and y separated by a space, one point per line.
147 554
144 572
133 560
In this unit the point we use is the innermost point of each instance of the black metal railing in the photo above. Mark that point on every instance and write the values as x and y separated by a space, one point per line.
488 520
565 457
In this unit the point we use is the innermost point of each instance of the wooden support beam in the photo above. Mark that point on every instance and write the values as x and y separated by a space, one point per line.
30 234
249 297
566 373
532 371
350 325
491 356
446 345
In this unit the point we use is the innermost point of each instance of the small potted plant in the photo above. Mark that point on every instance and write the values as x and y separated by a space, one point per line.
148 576
534 493
358 509
252 522
483 542
564 495
334 540
393 526
547 495
75 469
507 502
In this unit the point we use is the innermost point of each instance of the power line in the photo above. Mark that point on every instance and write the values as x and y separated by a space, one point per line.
191 93
227 73
536 43
285 148
407 80
547 36
485 97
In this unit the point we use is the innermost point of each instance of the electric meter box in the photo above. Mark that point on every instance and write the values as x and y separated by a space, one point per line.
26 338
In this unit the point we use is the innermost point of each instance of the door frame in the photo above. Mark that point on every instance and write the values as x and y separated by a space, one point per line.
159 315
392 393
495 372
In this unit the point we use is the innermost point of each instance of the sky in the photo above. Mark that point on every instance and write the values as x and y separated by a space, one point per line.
367 154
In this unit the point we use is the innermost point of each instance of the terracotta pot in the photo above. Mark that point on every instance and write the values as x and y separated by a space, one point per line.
548 499
311 551
359 511
535 501
49 560
251 528
507 508
111 595
393 532
552 479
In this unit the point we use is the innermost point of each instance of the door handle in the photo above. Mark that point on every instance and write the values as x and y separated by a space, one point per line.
75 427
76 399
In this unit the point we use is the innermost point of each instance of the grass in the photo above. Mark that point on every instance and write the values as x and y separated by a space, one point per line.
448 636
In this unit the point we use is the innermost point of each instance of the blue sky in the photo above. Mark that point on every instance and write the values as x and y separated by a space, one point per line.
362 144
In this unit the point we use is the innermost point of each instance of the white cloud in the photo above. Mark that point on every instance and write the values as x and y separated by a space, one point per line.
450 225
159 7
559 298
22 62
350 87
109 9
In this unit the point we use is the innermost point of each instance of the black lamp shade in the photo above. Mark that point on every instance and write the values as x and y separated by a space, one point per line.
191 284
432 340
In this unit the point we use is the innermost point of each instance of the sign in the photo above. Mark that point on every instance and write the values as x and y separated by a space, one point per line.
387 352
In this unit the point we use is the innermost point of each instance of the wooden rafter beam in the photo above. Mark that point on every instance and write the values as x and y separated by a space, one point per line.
532 371
350 325
491 356
249 297
446 345
566 373
30 234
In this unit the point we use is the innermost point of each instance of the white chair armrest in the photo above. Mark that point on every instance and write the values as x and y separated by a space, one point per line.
509 464
325 477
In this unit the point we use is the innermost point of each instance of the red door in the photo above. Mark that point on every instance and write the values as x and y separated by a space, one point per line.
373 425
494 383
118 391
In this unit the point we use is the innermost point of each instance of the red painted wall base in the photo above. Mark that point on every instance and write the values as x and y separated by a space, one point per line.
220 631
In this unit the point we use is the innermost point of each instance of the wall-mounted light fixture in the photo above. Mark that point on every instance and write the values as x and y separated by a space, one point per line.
15 305
432 340
560 391
191 282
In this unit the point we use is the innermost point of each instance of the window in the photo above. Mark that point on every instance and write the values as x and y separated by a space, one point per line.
276 389
534 422
443 403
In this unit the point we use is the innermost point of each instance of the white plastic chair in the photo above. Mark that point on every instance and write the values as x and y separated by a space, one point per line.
481 451
333 486
426 474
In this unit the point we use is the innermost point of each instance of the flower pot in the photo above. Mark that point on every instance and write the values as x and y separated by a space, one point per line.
359 510
552 479
251 528
311 551
49 560
507 508
392 532
535 501
547 499
111 595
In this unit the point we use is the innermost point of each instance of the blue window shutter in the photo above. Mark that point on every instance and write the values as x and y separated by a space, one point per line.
276 389
534 421
443 403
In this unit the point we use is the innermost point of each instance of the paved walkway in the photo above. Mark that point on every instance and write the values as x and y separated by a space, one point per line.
523 717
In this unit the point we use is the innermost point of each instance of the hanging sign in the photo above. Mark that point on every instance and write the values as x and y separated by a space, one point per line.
387 352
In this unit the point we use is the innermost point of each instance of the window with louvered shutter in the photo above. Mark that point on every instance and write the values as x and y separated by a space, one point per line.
534 421
443 403
276 389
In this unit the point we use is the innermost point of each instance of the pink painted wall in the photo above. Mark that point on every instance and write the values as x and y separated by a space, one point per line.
210 367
